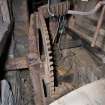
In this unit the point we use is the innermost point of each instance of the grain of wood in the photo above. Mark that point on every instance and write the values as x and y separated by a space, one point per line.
20 80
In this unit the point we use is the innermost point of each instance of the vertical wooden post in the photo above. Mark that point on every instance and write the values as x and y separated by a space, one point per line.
34 62
98 27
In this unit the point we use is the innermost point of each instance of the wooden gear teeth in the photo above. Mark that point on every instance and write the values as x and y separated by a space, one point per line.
49 74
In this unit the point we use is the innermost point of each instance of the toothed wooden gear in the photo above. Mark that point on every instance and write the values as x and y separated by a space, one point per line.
49 73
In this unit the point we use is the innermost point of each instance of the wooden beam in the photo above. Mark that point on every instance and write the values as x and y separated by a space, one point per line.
58 9
34 62
6 26
17 64
4 6
98 27
87 37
